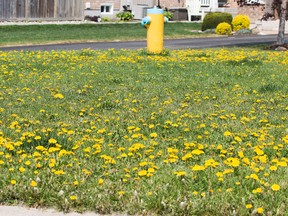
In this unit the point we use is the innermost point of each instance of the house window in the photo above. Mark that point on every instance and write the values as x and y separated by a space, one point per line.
106 9
87 5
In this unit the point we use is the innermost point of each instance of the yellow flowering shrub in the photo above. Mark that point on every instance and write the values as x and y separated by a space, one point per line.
223 29
240 22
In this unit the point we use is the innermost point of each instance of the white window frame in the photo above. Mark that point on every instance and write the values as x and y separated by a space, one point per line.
106 5
87 5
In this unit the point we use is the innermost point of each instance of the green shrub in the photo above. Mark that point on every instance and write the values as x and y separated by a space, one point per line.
212 19
168 14
240 22
125 15
105 19
224 29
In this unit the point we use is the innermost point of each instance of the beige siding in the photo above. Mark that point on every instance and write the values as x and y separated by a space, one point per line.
172 3
96 4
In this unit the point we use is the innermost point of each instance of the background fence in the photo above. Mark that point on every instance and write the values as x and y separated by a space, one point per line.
41 10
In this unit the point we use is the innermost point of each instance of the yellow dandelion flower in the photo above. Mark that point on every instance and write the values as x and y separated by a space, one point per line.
142 173
195 193
180 173
153 135
260 210
59 172
143 163
275 187
232 162
70 132
22 169
151 170
227 133
219 174
187 156
238 139
273 168
282 163
121 192
36 154
149 193
13 182
241 154
52 141
249 206
101 131
37 137
254 176
197 152
198 168
257 190
73 197
33 183
58 96
151 126
258 151
100 181
27 163
211 162
40 148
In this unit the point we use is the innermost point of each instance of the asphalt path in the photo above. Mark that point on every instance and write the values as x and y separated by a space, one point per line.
187 43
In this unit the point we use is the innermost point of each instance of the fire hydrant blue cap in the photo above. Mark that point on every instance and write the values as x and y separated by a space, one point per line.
155 10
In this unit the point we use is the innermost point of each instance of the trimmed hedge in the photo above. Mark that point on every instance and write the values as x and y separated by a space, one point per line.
212 19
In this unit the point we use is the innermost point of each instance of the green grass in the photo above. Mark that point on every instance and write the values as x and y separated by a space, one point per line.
187 132
39 34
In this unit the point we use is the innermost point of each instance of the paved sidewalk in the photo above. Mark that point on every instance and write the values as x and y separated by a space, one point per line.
24 211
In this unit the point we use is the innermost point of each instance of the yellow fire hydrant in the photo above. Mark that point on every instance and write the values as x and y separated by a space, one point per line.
154 22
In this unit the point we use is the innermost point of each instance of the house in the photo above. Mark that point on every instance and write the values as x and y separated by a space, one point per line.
194 9
109 8
73 9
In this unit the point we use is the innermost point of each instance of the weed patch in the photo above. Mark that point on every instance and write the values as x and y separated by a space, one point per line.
186 132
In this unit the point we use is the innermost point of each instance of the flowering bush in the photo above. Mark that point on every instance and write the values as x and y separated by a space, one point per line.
223 29
240 22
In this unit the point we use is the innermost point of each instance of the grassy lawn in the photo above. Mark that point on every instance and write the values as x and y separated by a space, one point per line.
41 34
191 132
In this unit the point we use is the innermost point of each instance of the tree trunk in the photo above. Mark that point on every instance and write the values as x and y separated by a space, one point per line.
282 18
